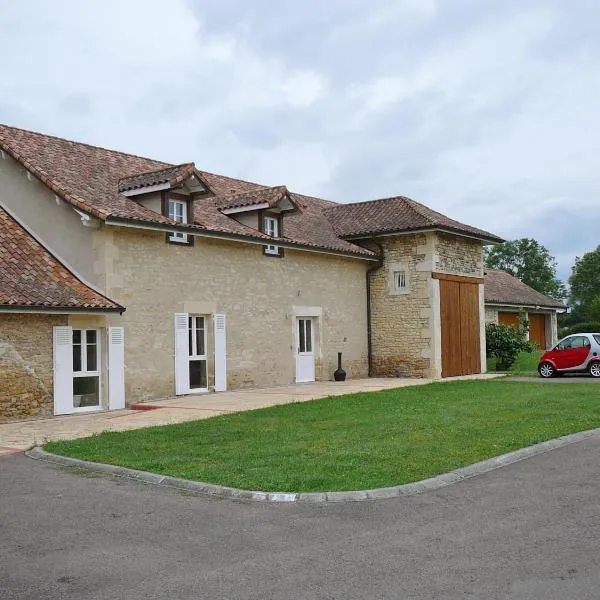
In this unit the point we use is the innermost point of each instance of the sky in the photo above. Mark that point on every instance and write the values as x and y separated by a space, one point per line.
488 111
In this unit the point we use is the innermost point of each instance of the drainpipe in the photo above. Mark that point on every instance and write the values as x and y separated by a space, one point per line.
369 328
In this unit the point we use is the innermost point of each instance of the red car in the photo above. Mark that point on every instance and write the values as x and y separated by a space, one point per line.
578 353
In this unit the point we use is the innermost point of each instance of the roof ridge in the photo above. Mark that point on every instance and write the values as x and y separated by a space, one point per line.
172 166
418 208
262 185
244 192
88 145
369 201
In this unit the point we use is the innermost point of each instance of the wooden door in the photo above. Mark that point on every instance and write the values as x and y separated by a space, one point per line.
460 319
537 329
509 318
469 328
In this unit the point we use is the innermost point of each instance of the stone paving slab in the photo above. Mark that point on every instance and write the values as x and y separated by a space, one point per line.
22 435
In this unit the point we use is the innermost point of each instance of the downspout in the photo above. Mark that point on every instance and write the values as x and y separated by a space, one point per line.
370 270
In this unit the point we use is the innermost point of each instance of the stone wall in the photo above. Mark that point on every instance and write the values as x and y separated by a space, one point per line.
402 323
458 255
260 296
406 328
26 365
491 315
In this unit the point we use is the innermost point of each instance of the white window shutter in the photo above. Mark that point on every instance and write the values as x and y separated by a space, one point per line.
63 370
182 355
116 368
220 354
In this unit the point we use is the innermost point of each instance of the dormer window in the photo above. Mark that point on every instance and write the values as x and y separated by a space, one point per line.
178 212
271 228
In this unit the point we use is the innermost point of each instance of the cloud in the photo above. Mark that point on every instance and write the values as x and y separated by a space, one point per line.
485 111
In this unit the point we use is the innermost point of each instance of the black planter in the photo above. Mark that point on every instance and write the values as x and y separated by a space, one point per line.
339 374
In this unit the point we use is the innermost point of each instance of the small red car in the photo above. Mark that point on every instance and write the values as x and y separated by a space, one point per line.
578 353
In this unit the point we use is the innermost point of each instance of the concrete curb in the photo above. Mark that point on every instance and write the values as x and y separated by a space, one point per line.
408 489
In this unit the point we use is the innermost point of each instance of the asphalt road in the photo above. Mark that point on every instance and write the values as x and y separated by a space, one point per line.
527 531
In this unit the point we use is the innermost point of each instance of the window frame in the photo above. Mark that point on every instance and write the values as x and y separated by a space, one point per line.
193 331
393 272
275 219
178 237
83 372
400 273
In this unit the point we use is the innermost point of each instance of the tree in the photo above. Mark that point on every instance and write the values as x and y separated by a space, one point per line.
530 262
585 285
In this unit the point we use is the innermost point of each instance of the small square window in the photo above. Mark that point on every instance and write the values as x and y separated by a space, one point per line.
400 281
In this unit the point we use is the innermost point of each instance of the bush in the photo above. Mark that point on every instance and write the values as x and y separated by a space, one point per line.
504 344
578 328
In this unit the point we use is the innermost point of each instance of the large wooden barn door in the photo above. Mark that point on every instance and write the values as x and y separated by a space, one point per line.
459 307
537 329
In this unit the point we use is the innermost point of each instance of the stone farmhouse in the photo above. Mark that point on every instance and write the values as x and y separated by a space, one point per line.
124 279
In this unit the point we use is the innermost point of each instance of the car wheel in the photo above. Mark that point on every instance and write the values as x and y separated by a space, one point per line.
546 370
595 369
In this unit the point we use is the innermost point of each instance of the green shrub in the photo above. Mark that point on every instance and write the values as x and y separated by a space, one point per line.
589 327
504 344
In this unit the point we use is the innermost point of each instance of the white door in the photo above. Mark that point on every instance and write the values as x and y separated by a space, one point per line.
305 355
197 364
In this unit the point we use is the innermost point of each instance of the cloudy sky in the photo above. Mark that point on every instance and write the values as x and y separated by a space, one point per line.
487 110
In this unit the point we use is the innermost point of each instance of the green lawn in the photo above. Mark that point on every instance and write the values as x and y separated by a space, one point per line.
527 362
359 441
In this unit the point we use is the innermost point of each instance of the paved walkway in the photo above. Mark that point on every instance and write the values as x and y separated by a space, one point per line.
22 435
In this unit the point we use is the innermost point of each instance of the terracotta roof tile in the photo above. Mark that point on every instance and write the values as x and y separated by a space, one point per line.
173 175
503 288
265 195
30 276
387 215
90 178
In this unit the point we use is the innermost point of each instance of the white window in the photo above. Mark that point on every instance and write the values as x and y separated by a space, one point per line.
400 281
178 213
198 380
86 368
271 228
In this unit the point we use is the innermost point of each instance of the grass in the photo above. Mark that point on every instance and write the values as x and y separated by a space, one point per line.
358 441
526 363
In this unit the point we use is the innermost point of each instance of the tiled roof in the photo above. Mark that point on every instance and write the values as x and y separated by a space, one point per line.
503 288
387 215
265 195
173 175
91 179
31 277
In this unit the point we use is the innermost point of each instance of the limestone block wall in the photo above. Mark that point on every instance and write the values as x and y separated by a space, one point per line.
458 255
260 296
26 365
402 323
406 328
491 315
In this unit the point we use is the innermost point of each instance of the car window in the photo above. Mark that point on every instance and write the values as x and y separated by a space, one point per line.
597 338
580 341
576 341
565 344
